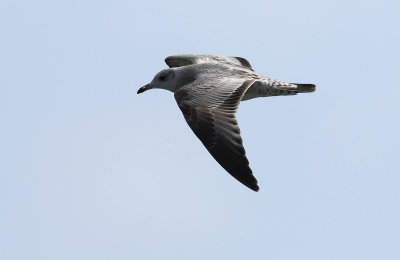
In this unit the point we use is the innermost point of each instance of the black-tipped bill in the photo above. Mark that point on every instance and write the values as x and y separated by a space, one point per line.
143 89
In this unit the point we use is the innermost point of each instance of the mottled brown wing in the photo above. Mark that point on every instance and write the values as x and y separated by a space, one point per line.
210 112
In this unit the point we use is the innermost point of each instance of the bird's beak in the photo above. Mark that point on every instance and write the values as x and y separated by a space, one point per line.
144 88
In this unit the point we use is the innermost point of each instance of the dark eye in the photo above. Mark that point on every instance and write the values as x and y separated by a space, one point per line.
163 77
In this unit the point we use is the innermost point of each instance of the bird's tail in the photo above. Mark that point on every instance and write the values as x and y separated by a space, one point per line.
304 87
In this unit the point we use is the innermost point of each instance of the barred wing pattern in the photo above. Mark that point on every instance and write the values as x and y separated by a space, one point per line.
209 109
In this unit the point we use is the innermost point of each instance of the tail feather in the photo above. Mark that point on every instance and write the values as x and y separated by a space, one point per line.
304 87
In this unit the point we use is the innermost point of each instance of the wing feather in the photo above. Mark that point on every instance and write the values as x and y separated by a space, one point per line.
190 59
211 116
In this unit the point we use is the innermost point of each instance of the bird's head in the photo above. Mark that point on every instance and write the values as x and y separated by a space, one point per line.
165 79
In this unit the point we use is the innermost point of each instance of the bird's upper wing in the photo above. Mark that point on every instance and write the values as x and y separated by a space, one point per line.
209 108
190 59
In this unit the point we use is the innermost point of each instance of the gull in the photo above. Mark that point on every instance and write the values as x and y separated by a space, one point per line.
208 90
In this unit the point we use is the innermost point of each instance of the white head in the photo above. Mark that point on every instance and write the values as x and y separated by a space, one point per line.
165 79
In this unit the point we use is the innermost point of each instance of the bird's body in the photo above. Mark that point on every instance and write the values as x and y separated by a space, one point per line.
208 90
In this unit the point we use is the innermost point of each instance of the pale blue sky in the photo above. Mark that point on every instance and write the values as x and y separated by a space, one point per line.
90 170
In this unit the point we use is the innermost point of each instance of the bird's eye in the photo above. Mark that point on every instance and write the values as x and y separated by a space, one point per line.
163 77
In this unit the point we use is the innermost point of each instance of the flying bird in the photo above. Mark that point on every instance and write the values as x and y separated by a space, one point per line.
208 90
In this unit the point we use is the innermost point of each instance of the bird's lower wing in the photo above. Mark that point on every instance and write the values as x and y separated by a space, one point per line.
210 112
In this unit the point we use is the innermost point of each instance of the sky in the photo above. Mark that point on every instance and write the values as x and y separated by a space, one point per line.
91 170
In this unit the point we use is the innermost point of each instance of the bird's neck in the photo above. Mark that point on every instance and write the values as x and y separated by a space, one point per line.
184 76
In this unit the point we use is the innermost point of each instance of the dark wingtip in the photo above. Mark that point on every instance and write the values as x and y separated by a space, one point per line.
250 182
255 188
